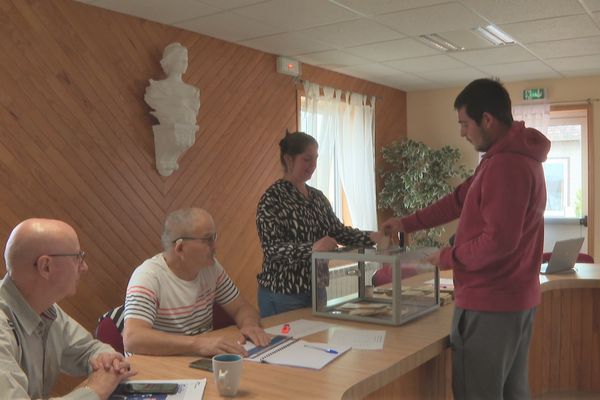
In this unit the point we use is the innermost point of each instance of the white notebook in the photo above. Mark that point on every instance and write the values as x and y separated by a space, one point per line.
296 353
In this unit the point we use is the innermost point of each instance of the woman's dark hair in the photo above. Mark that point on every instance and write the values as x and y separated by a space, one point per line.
293 144
485 95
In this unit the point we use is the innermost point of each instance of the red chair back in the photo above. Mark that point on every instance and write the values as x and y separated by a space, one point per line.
581 258
110 328
220 317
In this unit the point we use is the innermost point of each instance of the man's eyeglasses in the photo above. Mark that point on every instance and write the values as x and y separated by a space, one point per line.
80 256
207 239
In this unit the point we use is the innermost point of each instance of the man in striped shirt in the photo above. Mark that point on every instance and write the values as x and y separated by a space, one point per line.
170 296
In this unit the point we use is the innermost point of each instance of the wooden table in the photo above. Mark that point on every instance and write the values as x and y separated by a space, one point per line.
415 362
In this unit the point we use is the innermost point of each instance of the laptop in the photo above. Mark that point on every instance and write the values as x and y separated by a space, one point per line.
563 256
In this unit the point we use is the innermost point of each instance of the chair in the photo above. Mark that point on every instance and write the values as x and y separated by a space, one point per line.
220 317
110 328
581 258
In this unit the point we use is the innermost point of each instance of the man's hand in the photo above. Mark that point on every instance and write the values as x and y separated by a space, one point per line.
213 345
104 381
256 335
110 360
392 226
435 260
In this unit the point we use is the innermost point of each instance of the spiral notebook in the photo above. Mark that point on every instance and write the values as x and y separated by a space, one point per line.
292 352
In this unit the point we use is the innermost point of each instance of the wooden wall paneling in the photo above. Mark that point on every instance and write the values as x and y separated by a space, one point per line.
585 332
565 350
574 377
595 350
76 138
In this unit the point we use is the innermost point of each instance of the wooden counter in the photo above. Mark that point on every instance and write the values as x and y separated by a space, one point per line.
415 362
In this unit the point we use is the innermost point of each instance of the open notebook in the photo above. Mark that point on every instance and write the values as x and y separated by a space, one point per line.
295 353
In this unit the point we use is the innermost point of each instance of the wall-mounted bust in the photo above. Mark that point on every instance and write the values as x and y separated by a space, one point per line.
173 100
176 106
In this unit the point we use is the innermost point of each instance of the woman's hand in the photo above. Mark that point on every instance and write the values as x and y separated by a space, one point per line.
326 243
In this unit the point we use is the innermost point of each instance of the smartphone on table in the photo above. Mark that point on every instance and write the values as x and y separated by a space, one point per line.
202 363
146 388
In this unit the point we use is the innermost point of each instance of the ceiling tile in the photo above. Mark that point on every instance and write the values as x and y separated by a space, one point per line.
407 82
552 29
576 63
159 10
290 44
453 75
566 48
507 11
593 5
370 70
495 55
392 50
374 7
352 33
229 4
332 58
435 19
529 67
430 63
294 15
228 26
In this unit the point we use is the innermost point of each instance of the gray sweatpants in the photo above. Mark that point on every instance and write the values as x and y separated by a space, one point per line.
490 354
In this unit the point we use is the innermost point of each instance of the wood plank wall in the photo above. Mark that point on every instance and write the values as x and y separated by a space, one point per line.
76 140
565 348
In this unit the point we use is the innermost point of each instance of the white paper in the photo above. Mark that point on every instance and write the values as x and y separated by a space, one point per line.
300 328
445 283
361 339
189 389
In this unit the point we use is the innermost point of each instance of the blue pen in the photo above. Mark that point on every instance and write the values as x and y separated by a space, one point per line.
330 351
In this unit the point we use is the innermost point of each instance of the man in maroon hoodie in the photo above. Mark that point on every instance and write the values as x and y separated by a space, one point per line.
497 251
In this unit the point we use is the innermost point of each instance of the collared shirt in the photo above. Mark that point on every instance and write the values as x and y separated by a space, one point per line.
35 348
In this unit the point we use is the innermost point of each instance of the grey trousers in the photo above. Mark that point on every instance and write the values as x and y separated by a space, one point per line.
490 354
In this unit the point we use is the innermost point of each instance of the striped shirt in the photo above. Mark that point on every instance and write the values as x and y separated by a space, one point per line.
156 295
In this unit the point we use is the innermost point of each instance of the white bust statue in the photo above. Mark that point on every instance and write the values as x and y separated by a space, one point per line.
173 100
176 106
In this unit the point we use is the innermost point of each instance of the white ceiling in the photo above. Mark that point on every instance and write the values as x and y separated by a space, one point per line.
378 40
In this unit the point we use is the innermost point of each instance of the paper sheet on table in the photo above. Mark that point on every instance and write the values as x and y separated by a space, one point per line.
361 339
445 283
300 328
189 389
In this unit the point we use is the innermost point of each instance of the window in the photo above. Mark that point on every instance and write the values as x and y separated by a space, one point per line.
564 168
343 124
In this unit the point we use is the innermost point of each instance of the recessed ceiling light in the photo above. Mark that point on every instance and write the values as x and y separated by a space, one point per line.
494 35
440 43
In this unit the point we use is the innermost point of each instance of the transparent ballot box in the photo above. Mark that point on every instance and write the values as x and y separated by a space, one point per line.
404 287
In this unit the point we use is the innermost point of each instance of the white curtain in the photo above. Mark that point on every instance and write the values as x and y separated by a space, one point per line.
534 115
345 130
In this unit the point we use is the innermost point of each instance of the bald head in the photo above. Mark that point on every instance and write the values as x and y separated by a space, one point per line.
183 223
35 237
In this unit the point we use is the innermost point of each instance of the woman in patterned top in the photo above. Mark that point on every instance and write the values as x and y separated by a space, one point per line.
293 220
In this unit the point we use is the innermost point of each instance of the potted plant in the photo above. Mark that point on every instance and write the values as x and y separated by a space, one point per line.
418 175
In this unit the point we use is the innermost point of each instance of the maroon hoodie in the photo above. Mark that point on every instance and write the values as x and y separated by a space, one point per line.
498 247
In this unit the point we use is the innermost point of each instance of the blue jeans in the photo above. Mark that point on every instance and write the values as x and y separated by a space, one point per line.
271 303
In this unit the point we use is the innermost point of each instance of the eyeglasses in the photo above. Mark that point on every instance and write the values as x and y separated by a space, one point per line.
80 256
210 239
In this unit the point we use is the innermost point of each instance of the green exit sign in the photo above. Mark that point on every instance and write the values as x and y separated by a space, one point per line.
534 94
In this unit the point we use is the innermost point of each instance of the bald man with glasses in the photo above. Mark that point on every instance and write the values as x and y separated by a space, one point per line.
38 340
170 296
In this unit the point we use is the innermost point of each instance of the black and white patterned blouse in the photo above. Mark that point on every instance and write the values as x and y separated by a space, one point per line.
288 224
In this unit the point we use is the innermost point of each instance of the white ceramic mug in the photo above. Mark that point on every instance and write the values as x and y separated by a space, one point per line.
227 369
